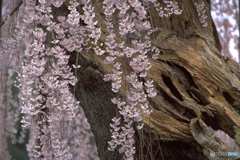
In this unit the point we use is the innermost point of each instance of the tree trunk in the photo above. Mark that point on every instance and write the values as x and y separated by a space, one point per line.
197 90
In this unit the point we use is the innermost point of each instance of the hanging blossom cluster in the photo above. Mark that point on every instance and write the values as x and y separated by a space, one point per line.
171 8
201 13
124 136
135 103
44 90
10 59
47 104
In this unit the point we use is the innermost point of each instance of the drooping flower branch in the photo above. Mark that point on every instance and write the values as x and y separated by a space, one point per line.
11 60
201 13
48 105
171 8
135 102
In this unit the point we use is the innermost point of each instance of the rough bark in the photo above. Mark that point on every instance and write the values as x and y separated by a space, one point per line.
197 90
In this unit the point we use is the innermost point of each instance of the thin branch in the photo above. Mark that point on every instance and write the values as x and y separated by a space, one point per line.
15 9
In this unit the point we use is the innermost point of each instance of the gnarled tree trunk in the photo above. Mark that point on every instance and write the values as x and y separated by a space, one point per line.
197 88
